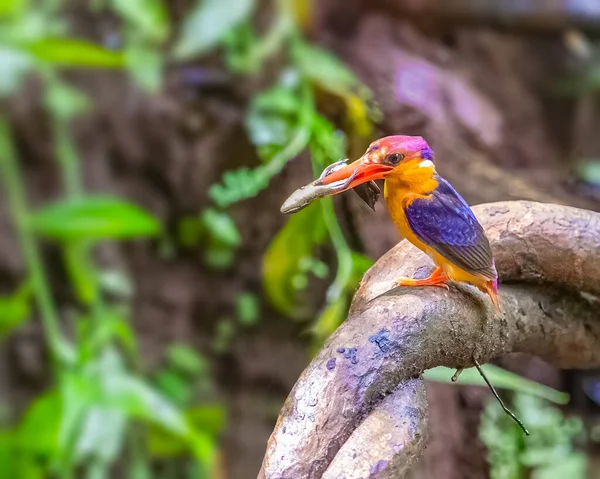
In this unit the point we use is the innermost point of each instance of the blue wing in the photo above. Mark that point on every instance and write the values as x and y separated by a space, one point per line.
445 222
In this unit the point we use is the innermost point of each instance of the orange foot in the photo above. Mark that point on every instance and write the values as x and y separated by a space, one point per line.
437 278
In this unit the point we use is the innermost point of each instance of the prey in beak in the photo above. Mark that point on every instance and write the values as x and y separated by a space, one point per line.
408 159
336 178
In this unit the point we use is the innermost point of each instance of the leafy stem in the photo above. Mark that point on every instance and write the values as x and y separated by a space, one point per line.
63 104
66 155
342 250
252 60
294 147
300 136
244 183
13 185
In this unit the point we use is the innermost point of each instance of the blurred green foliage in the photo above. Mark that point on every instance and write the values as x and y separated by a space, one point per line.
550 452
285 263
247 309
215 232
589 172
93 218
282 122
101 407
15 309
208 24
501 379
279 122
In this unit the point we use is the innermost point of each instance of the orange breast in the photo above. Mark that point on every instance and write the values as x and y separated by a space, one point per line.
395 200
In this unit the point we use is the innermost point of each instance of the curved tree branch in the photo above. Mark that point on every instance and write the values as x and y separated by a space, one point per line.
359 409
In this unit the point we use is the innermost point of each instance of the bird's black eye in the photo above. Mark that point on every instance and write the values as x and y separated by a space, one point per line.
394 158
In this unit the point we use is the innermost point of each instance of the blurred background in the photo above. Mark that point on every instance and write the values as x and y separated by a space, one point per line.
155 306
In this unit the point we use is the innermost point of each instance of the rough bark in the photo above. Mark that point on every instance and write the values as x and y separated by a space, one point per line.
546 256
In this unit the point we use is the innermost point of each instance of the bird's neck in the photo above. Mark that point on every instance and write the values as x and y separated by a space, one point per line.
420 181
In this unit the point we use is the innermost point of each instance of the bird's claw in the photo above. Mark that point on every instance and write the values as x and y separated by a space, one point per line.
420 282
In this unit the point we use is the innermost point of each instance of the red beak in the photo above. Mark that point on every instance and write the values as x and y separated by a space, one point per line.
359 172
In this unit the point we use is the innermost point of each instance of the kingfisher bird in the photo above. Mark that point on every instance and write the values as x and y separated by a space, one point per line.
427 210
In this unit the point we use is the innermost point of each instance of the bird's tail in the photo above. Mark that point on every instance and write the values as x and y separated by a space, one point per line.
491 288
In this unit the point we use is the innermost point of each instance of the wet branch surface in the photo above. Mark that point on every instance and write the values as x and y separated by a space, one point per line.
360 410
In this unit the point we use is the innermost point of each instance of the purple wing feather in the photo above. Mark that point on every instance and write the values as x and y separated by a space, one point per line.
446 223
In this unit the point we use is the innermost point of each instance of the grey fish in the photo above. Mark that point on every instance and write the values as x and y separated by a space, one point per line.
305 195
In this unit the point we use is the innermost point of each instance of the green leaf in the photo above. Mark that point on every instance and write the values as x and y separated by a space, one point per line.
335 312
308 264
76 399
327 144
589 171
118 389
324 68
38 431
145 65
186 360
238 185
17 462
95 334
218 257
282 261
282 99
190 231
501 379
68 52
81 271
223 335
208 24
221 227
148 17
64 101
140 401
94 217
15 65
209 418
176 388
139 468
328 72
273 116
12 8
246 53
111 387
248 308
360 265
329 320
117 283
15 309
102 435
574 466
267 130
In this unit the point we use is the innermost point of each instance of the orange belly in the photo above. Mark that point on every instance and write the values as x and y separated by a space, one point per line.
451 270
396 198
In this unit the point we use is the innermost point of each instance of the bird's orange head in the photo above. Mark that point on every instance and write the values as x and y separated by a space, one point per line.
406 159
